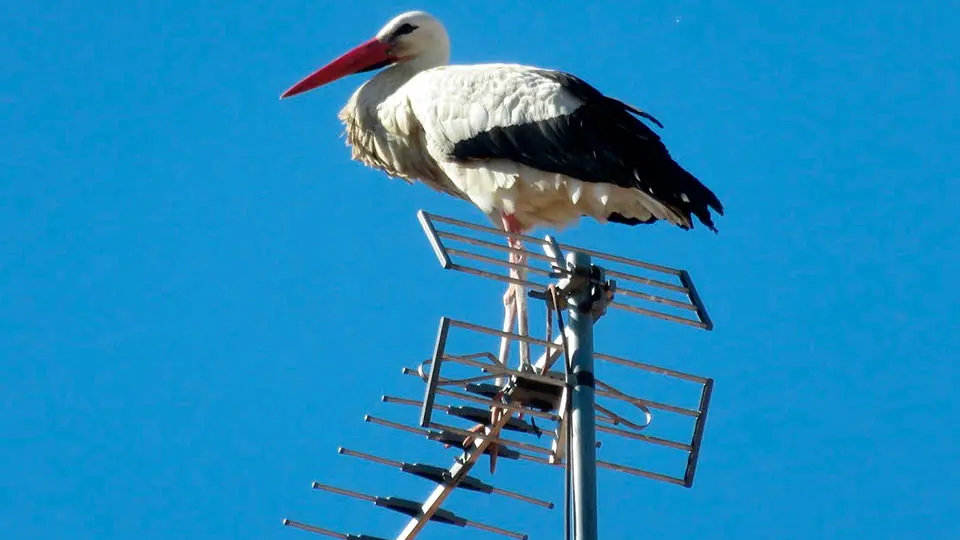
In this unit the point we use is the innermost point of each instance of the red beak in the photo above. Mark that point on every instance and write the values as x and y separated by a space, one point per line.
364 57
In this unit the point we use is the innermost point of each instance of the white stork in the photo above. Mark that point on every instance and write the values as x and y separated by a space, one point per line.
528 146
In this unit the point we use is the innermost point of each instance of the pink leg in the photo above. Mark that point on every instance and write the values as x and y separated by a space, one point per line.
515 300
511 225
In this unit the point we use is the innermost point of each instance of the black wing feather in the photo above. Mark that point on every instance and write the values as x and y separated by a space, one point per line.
602 141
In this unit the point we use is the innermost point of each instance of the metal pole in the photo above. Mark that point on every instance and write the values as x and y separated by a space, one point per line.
583 456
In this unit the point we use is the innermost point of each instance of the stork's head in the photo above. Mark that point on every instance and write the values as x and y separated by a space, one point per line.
414 35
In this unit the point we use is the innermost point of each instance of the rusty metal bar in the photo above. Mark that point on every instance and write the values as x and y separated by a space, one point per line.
458 471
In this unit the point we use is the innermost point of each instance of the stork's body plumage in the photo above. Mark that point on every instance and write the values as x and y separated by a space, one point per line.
528 146
541 146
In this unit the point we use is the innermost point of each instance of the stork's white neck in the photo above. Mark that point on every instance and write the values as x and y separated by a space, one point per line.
385 83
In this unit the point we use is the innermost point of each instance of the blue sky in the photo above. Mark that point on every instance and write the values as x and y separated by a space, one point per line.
201 295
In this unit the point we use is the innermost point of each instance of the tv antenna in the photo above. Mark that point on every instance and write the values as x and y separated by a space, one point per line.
554 406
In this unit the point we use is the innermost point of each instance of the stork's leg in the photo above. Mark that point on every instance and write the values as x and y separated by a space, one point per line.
509 315
515 300
515 310
520 300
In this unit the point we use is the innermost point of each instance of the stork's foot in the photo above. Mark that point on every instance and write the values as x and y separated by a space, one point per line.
492 448
467 441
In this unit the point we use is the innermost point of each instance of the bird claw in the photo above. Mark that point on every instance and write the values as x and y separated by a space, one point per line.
493 448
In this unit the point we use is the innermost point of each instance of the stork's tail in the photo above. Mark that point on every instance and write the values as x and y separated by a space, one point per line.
688 198
696 198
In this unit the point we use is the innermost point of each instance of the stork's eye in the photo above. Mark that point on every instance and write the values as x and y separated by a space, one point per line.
404 29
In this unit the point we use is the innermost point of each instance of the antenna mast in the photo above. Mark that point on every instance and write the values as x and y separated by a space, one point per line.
581 382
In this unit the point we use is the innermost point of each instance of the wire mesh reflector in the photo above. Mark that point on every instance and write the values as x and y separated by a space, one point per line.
643 288
671 420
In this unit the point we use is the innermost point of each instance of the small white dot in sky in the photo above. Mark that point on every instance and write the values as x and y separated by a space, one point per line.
677 20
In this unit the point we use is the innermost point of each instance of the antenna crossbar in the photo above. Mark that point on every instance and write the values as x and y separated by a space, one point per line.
440 476
328 532
411 508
